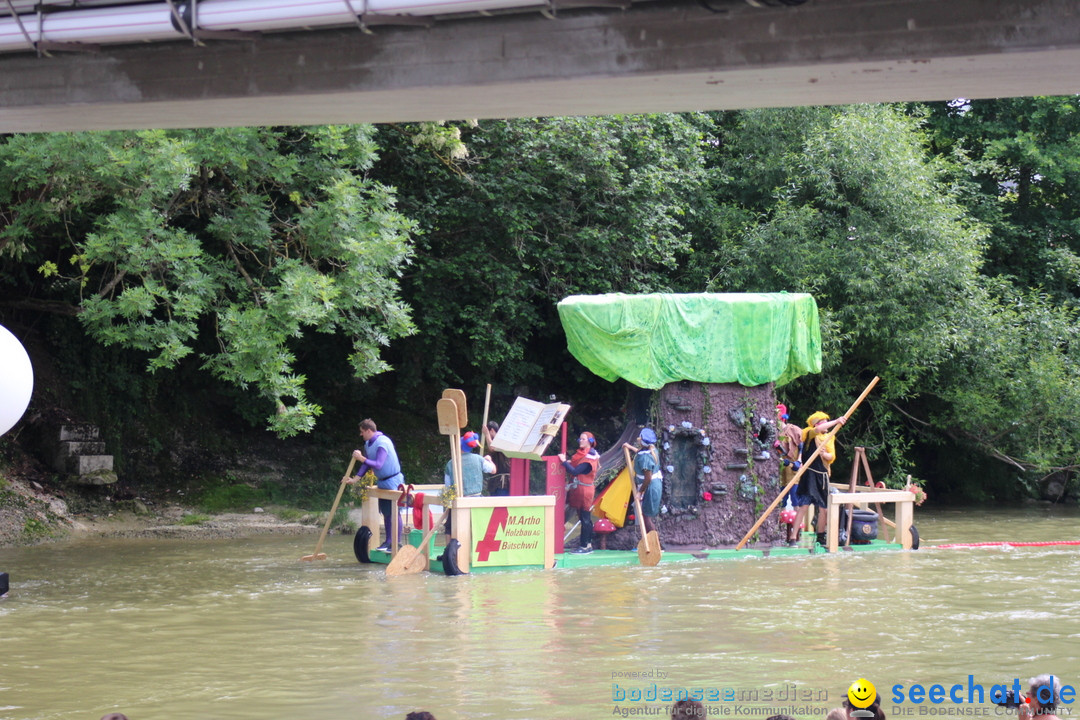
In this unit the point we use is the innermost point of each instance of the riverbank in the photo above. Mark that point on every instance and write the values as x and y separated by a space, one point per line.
32 512
178 522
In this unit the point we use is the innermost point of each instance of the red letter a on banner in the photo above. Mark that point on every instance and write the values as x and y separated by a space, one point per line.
489 544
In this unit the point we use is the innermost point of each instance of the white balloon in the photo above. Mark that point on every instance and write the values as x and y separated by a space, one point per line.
16 380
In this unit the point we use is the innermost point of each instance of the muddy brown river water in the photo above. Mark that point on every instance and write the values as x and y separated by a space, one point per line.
180 629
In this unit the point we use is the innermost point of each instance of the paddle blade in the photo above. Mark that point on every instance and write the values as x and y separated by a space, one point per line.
316 556
648 550
408 561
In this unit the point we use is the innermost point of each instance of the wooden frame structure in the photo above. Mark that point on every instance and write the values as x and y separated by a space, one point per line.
461 517
905 504
369 511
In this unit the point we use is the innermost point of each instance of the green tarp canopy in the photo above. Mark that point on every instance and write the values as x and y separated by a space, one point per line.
653 340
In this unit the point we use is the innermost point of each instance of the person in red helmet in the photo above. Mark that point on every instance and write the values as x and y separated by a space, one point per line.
789 445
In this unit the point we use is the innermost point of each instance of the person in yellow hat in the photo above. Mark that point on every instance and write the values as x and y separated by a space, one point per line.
813 488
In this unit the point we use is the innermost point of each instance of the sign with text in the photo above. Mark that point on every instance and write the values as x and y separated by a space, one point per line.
508 536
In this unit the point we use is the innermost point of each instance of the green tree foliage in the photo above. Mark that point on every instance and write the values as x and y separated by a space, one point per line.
542 209
862 216
939 244
232 246
1020 162
1010 389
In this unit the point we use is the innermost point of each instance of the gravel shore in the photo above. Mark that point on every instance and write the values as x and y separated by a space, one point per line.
30 514
169 524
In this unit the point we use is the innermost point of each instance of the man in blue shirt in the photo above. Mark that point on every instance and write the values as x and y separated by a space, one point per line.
380 457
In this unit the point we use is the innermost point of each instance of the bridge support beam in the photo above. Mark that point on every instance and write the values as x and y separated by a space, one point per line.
667 55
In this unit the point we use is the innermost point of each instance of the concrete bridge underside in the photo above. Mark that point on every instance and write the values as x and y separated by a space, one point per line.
665 55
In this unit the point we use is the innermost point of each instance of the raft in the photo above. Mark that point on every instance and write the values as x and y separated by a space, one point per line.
446 562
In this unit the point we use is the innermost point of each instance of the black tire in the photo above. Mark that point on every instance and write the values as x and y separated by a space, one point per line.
360 544
449 558
914 537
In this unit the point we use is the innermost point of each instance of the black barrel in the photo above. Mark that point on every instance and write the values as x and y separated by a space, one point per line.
863 526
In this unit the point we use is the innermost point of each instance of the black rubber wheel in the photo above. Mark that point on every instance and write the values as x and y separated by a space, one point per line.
449 558
360 544
914 538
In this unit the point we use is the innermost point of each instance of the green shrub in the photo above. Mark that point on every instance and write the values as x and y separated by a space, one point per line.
232 498
35 529
290 514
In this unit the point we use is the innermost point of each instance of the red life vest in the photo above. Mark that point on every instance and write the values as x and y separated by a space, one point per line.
581 493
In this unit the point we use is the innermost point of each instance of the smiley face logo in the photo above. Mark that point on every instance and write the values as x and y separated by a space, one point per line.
862 693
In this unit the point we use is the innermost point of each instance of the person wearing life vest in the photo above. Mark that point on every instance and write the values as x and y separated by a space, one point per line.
581 471
789 446
380 457
814 484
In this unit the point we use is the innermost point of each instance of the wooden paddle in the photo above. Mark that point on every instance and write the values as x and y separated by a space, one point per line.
410 560
483 428
318 554
648 550
806 464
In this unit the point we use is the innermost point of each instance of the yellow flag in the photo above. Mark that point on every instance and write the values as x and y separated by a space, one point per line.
615 499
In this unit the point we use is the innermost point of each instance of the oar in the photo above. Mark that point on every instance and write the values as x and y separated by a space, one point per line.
851 488
799 473
648 552
318 554
483 428
571 531
410 560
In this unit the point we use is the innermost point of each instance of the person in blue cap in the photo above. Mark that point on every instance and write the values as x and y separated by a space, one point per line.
647 476
473 468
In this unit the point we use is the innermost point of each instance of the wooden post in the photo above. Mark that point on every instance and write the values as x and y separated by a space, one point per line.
425 524
395 536
832 539
369 516
903 523
463 534
549 532
483 428
860 461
